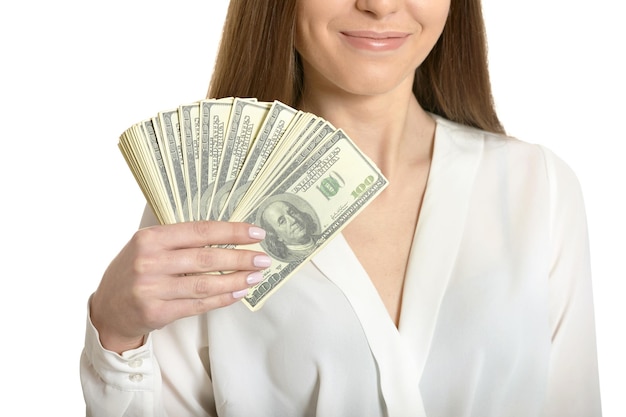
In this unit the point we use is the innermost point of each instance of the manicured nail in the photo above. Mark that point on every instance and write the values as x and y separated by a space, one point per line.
262 261
254 278
256 233
240 293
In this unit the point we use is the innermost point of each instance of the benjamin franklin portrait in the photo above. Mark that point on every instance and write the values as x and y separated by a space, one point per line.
292 227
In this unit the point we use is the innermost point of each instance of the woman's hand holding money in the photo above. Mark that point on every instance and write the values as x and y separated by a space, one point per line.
168 272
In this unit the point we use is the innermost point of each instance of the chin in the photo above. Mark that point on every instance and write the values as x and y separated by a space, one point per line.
374 86
376 78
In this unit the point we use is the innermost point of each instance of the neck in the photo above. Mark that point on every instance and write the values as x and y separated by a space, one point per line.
390 128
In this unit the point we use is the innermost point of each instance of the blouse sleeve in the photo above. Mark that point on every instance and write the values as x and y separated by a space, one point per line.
131 384
573 384
119 385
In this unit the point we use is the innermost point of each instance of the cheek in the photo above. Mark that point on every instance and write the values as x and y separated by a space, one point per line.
315 24
309 39
318 52
306 15
432 14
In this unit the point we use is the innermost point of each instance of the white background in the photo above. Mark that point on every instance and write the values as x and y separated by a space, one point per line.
75 74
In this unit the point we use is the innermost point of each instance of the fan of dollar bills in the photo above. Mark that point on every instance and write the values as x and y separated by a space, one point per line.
240 159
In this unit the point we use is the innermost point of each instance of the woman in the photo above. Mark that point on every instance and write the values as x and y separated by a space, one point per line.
462 290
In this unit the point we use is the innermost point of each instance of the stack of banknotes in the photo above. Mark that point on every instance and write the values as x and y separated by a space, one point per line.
240 159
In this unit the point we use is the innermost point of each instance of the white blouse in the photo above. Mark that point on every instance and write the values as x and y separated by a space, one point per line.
496 321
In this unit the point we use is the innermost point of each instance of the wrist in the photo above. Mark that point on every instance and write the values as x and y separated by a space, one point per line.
111 339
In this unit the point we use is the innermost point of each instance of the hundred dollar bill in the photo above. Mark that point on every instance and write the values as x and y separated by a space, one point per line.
169 126
310 206
244 123
296 131
277 122
165 195
146 164
298 144
214 116
161 141
130 147
189 131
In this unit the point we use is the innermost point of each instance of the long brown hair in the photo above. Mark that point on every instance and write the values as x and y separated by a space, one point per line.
257 58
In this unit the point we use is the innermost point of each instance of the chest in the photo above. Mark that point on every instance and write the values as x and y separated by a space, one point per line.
382 235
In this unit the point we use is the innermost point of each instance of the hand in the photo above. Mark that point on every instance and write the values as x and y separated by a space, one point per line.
168 272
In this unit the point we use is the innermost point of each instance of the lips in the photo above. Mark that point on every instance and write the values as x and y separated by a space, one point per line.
375 41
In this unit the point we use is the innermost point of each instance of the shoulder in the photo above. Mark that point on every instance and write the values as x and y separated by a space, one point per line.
527 166
499 147
467 136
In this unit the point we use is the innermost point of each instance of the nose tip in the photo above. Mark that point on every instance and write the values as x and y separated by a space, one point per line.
378 8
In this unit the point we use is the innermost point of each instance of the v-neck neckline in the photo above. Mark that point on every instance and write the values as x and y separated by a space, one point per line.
401 352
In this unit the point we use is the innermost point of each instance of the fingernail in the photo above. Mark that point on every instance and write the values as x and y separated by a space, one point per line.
240 293
262 261
254 278
256 233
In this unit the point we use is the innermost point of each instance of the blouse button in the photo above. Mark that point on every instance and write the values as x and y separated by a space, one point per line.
135 377
135 363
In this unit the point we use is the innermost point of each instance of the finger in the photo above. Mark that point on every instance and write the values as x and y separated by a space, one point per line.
192 307
200 233
203 260
204 286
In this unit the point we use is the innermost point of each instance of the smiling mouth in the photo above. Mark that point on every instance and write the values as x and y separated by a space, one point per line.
375 41
368 34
